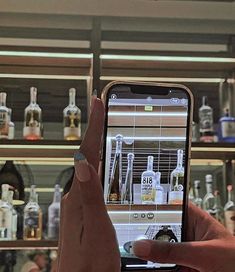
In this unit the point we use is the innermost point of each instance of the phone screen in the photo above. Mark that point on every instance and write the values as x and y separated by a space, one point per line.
145 168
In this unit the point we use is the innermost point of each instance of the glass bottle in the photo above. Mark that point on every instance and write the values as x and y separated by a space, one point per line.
72 118
32 217
176 193
206 121
158 189
32 118
229 211
197 199
54 214
208 202
219 210
191 194
5 215
14 215
11 132
115 184
148 183
4 117
227 128
127 192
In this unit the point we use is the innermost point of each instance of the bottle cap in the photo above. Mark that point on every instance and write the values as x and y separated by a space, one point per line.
230 188
209 178
130 156
197 184
119 138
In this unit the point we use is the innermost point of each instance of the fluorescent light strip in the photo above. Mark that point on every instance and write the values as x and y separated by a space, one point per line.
41 76
152 138
39 161
43 190
213 149
173 114
147 224
141 212
201 162
55 147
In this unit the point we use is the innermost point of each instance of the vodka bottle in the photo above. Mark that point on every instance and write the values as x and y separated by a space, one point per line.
72 118
206 121
14 215
32 217
158 189
148 183
127 192
176 193
11 132
208 202
4 117
197 199
32 118
54 214
219 210
115 184
5 215
229 211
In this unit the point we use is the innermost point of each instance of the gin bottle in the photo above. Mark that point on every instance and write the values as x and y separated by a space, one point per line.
219 211
32 217
14 215
208 202
4 117
148 183
115 184
72 118
197 199
229 211
32 118
5 215
176 193
158 189
127 189
54 214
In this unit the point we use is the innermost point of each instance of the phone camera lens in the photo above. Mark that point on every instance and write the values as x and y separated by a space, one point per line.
113 96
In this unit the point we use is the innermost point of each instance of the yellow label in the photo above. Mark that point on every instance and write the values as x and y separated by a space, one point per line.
148 108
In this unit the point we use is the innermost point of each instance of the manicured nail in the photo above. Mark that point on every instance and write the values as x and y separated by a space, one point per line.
82 171
141 248
93 99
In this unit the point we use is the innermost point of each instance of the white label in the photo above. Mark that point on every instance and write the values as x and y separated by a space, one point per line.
147 191
35 131
228 129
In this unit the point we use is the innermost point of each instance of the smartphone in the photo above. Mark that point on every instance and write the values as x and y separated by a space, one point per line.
145 164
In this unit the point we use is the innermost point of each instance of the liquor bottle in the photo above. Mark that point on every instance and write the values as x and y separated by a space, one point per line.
227 128
72 118
54 214
148 183
197 199
4 117
11 132
32 118
191 194
229 211
127 192
115 184
219 211
5 215
176 192
208 202
206 122
32 217
158 189
14 215
166 234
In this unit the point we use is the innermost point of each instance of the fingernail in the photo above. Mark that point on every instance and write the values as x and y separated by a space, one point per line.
141 248
82 171
93 98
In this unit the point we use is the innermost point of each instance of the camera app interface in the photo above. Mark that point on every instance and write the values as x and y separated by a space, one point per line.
144 175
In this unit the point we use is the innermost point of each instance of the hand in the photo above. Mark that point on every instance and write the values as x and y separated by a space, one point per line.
212 251
87 238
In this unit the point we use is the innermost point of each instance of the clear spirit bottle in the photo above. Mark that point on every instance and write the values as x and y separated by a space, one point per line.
11 132
208 202
158 189
219 210
32 217
5 215
176 192
148 183
54 214
115 184
4 116
14 215
229 211
32 118
72 118
197 199
127 189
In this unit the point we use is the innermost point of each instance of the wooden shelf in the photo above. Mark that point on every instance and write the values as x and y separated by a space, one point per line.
21 244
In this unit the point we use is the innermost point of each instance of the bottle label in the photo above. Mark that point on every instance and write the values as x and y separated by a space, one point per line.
3 123
72 132
147 189
228 129
230 221
32 132
32 220
72 120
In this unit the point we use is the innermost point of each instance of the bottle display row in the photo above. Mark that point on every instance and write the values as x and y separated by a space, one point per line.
33 124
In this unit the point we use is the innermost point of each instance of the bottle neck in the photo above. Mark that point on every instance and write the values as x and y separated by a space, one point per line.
3 97
33 95
130 164
158 178
217 200
33 195
57 195
230 196
209 189
5 190
180 158
10 197
118 147
204 101
150 163
72 95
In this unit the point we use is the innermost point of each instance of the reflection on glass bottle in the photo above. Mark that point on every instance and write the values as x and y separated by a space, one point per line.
197 199
72 118
4 117
208 201
115 184
14 215
219 211
11 133
229 211
127 189
148 183
32 118
54 214
166 234
158 189
5 215
176 193
32 217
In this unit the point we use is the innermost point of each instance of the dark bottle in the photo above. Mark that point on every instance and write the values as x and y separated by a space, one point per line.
127 192
166 234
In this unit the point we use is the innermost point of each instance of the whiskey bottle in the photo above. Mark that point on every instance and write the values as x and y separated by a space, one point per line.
229 211
32 118
158 189
14 215
5 215
4 117
11 132
208 202
219 211
176 192
72 118
127 189
32 217
115 184
148 183
54 214
197 199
